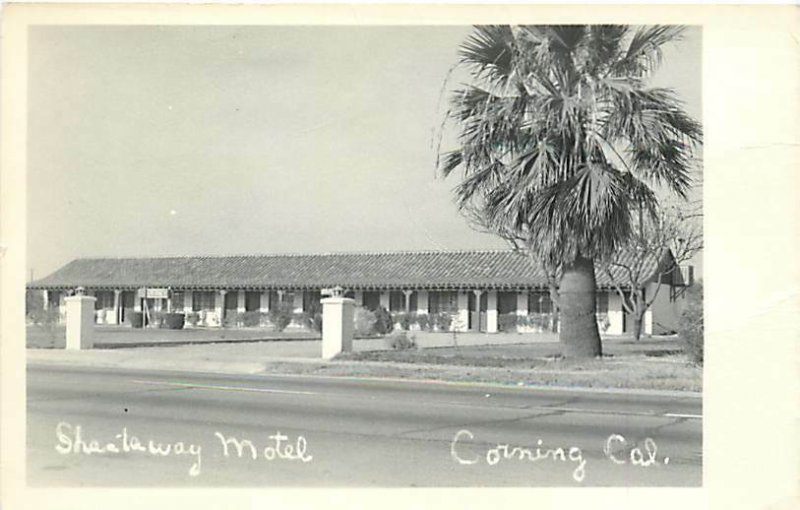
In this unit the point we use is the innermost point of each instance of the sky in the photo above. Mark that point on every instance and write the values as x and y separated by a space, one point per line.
202 140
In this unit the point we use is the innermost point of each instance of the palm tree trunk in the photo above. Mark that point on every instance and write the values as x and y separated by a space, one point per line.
580 337
554 308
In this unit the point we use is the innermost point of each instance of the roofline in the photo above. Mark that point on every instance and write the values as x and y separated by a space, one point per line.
302 254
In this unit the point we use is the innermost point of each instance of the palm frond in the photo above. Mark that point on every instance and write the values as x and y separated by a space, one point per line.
488 51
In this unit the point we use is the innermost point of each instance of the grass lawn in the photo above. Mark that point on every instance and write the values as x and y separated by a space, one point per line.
655 364
520 355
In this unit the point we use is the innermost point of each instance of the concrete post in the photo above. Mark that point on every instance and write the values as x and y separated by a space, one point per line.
337 326
45 300
80 322
491 311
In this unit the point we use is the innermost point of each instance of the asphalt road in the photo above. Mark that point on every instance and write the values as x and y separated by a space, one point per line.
99 427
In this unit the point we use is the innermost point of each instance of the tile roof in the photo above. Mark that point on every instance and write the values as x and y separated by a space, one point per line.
430 269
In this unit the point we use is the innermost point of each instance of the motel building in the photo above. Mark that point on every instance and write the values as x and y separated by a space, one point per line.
486 291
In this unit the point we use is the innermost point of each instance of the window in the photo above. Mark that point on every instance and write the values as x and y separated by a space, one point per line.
539 302
274 299
442 301
397 301
232 300
371 300
602 302
203 300
105 300
311 301
252 301
178 300
54 298
506 302
294 298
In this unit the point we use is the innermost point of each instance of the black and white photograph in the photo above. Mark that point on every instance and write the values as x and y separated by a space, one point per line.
365 255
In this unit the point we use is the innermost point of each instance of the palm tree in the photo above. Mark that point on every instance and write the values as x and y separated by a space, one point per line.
562 140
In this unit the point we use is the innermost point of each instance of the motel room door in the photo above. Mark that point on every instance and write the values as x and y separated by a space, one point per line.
127 298
477 318
477 313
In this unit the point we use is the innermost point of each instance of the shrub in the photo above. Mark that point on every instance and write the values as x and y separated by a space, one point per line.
539 320
423 320
173 321
231 319
383 321
400 341
690 324
507 322
193 318
364 322
46 320
137 319
312 318
443 320
34 303
250 319
281 316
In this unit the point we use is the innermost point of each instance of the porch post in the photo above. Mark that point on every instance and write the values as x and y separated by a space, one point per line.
476 319
407 300
45 300
219 306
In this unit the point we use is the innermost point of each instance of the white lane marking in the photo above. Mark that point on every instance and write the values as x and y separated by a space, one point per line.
227 388
680 415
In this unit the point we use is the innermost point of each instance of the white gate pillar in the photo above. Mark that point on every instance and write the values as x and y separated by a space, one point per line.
337 325
80 322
